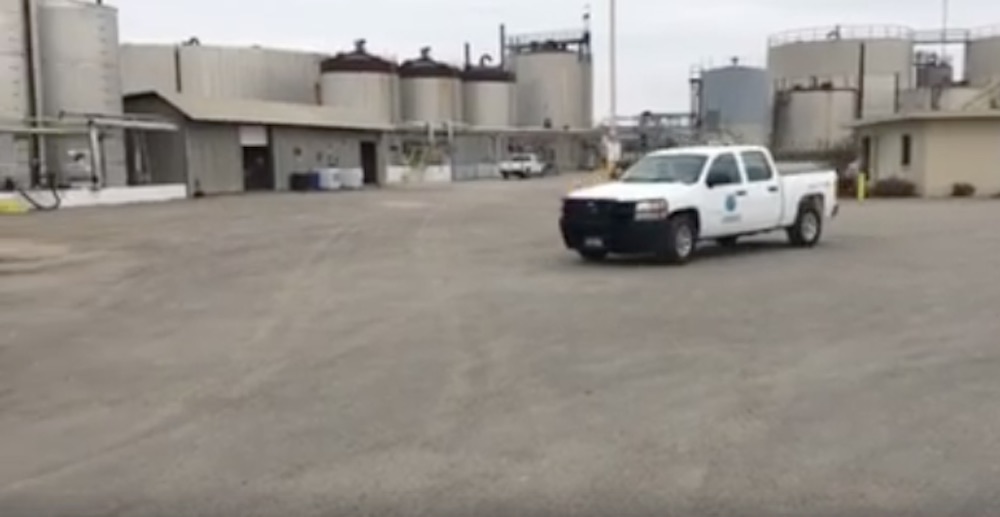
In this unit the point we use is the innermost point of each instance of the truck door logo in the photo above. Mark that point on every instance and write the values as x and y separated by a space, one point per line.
731 203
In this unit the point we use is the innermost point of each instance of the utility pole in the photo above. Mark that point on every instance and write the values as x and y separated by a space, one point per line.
944 27
613 65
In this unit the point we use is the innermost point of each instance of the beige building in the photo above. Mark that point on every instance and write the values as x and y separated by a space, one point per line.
935 149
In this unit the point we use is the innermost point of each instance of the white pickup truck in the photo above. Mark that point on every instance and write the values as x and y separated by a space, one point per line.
523 166
671 199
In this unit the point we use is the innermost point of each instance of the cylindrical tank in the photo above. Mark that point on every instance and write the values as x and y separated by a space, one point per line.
876 59
431 91
78 42
813 120
488 96
148 67
982 56
735 101
14 100
553 87
13 62
363 83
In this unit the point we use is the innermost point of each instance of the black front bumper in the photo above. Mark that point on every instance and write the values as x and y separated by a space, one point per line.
610 226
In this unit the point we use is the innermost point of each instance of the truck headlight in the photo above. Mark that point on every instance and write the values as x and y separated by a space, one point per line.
651 210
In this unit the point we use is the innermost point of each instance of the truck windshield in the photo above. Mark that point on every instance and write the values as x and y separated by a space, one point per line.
666 168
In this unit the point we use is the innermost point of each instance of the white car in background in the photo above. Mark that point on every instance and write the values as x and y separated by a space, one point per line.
671 199
523 166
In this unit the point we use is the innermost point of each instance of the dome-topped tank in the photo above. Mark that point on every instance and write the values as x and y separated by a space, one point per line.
431 90
361 82
488 95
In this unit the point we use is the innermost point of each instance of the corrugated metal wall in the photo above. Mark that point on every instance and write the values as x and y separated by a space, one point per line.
215 161
476 156
297 149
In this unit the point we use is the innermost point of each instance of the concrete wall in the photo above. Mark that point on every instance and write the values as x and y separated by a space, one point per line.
297 149
963 151
943 152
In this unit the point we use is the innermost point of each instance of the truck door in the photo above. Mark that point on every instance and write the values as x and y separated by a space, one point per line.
725 193
763 203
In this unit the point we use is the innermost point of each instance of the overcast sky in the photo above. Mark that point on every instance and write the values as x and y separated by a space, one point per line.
659 40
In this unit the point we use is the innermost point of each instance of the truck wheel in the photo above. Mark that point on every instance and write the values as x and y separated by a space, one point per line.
681 241
808 227
727 242
505 175
593 255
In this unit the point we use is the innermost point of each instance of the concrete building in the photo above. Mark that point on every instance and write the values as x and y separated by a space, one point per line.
935 149
236 145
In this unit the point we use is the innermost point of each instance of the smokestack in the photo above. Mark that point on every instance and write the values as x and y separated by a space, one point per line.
503 45
468 55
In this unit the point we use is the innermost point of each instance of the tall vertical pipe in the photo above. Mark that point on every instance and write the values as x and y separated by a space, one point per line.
613 65
36 102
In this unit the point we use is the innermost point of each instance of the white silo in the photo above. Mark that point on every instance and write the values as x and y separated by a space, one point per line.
78 42
982 57
363 83
14 95
431 91
873 62
735 101
488 96
553 82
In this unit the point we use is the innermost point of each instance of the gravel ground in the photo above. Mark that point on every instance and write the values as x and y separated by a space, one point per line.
435 352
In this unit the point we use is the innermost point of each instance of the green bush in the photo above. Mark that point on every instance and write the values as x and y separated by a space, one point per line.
963 190
894 187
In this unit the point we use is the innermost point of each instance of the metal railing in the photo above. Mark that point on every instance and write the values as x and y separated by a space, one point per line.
841 32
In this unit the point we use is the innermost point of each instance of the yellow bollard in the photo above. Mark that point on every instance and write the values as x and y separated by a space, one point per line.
862 186
12 206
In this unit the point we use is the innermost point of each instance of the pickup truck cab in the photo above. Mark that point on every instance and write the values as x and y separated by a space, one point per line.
523 166
671 199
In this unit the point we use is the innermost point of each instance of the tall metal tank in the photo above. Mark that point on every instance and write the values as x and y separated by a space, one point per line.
488 95
431 91
813 120
982 56
363 83
78 42
553 86
14 99
875 59
736 101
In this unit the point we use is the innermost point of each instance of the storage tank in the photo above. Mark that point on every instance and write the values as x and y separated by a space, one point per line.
14 100
813 120
223 72
553 86
982 56
78 42
876 59
362 82
735 101
431 91
488 95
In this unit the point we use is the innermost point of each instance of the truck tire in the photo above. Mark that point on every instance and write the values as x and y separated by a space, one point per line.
808 226
592 255
682 240
505 175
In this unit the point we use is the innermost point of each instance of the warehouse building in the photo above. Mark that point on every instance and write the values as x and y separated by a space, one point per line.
236 145
935 149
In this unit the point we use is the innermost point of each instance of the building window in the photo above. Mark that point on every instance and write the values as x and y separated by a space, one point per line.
907 148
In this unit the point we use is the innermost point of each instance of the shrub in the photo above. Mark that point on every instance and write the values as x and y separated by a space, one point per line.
963 190
894 187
